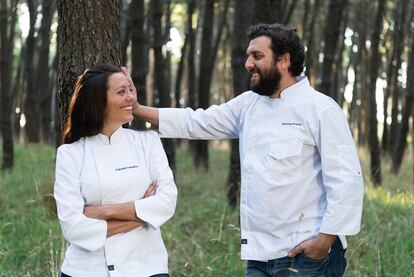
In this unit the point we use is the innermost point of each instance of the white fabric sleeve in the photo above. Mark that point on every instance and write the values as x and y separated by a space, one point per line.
78 229
216 122
157 209
341 174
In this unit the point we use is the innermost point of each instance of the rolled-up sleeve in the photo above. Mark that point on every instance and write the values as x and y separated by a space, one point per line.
216 122
157 209
77 229
341 174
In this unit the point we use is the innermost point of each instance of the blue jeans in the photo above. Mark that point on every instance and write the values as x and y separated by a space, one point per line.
301 265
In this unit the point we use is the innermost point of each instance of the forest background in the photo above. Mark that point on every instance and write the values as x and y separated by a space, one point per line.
192 53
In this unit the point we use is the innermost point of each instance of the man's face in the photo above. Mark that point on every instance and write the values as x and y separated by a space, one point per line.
265 76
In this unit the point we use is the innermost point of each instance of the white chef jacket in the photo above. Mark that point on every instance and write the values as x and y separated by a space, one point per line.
97 170
300 173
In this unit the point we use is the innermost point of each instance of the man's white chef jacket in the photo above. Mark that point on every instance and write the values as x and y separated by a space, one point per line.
300 173
95 170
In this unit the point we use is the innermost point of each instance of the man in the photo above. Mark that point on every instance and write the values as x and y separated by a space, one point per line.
301 181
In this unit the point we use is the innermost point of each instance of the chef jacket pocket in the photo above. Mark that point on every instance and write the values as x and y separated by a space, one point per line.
285 160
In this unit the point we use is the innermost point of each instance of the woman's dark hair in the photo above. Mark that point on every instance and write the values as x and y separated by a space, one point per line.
87 105
284 40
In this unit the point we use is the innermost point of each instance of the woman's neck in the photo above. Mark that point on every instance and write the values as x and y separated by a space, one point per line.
108 130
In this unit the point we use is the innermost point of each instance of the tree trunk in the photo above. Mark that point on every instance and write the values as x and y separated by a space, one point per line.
17 89
125 25
339 75
388 58
305 16
289 11
160 77
139 54
358 41
31 103
331 37
44 91
401 141
88 34
311 53
204 78
7 32
192 76
268 11
180 70
375 151
394 89
55 104
243 17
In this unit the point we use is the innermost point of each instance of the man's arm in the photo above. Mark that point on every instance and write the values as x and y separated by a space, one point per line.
341 175
148 114
342 179
316 248
216 122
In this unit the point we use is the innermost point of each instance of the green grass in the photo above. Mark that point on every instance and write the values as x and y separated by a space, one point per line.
203 237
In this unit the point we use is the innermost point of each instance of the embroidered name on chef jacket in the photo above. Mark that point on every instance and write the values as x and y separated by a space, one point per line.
126 167
291 124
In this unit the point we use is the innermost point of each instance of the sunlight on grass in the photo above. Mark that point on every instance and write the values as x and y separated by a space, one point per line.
402 199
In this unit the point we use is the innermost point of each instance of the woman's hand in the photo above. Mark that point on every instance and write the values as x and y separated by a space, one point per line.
96 211
123 211
152 189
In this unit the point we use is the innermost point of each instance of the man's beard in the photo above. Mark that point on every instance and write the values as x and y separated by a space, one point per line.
268 83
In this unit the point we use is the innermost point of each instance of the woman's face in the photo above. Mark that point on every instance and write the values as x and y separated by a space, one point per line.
119 100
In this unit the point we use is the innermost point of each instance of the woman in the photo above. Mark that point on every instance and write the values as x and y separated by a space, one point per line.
109 208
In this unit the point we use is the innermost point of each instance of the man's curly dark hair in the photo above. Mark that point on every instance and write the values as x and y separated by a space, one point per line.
284 40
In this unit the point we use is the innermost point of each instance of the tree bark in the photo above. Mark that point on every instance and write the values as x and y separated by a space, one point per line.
339 76
160 72
192 76
125 25
7 34
17 89
401 141
139 54
394 89
243 16
375 151
185 52
289 11
31 103
204 78
311 49
268 11
88 34
331 38
305 16
43 72
356 118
